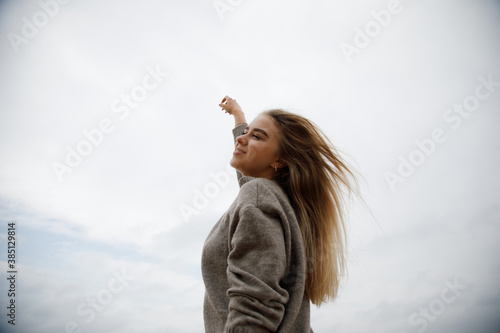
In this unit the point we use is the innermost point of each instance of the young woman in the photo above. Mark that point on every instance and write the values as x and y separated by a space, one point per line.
281 244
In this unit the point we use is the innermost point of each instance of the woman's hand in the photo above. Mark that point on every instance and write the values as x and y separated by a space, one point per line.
230 106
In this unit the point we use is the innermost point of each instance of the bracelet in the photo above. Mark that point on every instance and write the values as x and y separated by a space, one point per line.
240 123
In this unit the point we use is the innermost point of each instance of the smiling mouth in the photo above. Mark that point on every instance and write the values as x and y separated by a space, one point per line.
239 151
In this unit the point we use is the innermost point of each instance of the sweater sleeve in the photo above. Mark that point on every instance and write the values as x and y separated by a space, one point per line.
237 131
256 264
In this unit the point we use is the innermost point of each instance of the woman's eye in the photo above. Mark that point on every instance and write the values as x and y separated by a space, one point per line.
253 135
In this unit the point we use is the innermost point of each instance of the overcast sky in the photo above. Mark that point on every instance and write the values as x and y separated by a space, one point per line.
115 155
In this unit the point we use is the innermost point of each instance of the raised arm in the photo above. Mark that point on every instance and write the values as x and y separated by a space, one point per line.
231 107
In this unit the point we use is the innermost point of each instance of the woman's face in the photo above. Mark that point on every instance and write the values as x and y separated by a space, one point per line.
255 152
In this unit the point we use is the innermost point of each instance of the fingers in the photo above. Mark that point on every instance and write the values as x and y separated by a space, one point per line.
223 106
226 98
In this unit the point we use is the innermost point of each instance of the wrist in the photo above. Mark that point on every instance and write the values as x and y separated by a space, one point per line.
239 118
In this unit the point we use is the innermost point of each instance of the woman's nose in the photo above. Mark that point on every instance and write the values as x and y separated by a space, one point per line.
241 139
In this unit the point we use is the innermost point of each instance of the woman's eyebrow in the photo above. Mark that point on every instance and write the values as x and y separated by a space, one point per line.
261 131
258 130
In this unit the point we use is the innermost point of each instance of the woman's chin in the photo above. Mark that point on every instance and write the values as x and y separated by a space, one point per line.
235 164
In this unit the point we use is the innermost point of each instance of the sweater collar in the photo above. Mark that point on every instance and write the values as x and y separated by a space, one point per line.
245 179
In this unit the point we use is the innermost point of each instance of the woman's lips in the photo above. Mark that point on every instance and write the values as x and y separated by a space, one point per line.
238 151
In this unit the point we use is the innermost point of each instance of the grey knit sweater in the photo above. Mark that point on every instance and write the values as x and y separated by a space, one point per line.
253 264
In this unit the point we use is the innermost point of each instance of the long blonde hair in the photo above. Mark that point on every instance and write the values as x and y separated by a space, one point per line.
314 179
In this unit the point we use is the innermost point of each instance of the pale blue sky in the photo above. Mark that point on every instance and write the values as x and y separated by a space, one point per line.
141 201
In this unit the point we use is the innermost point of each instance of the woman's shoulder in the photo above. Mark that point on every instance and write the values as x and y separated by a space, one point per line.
259 186
262 193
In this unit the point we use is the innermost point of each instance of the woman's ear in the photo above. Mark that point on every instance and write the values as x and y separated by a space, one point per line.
280 164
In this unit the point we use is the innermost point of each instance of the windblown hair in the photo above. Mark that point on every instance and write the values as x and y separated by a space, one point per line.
315 179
